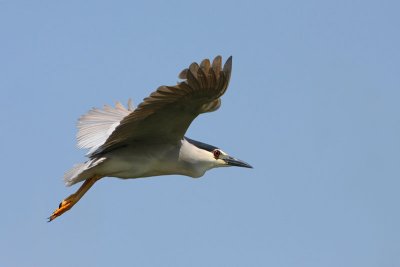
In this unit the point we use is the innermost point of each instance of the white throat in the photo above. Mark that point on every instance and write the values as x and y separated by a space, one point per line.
195 160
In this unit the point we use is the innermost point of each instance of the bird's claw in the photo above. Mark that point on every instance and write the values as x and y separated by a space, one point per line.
64 206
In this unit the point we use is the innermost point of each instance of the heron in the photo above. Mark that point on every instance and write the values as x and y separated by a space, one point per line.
149 140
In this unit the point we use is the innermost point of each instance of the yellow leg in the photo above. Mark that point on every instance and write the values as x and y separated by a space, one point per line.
70 201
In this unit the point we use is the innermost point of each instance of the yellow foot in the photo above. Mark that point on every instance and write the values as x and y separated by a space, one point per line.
70 201
64 206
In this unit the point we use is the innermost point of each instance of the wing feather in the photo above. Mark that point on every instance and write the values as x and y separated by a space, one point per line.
167 113
96 126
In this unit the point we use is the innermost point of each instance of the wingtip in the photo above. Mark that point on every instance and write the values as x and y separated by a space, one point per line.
229 60
228 65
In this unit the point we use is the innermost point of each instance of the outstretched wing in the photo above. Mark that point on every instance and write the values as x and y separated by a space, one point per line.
166 114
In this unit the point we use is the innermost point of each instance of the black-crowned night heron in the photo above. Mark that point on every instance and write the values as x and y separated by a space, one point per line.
149 140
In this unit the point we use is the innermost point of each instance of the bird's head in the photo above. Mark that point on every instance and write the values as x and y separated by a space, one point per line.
222 159
215 157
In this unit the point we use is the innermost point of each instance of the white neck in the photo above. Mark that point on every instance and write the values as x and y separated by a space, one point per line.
195 160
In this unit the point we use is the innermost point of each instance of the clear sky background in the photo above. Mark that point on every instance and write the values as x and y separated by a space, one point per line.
313 105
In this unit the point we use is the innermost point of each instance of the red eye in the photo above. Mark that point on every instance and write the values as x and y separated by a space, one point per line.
216 153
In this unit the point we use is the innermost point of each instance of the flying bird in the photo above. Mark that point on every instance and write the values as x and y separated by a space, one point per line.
149 140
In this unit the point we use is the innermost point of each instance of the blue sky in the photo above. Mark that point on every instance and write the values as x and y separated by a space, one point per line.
313 105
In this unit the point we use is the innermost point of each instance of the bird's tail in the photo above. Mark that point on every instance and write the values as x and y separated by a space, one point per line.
81 171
